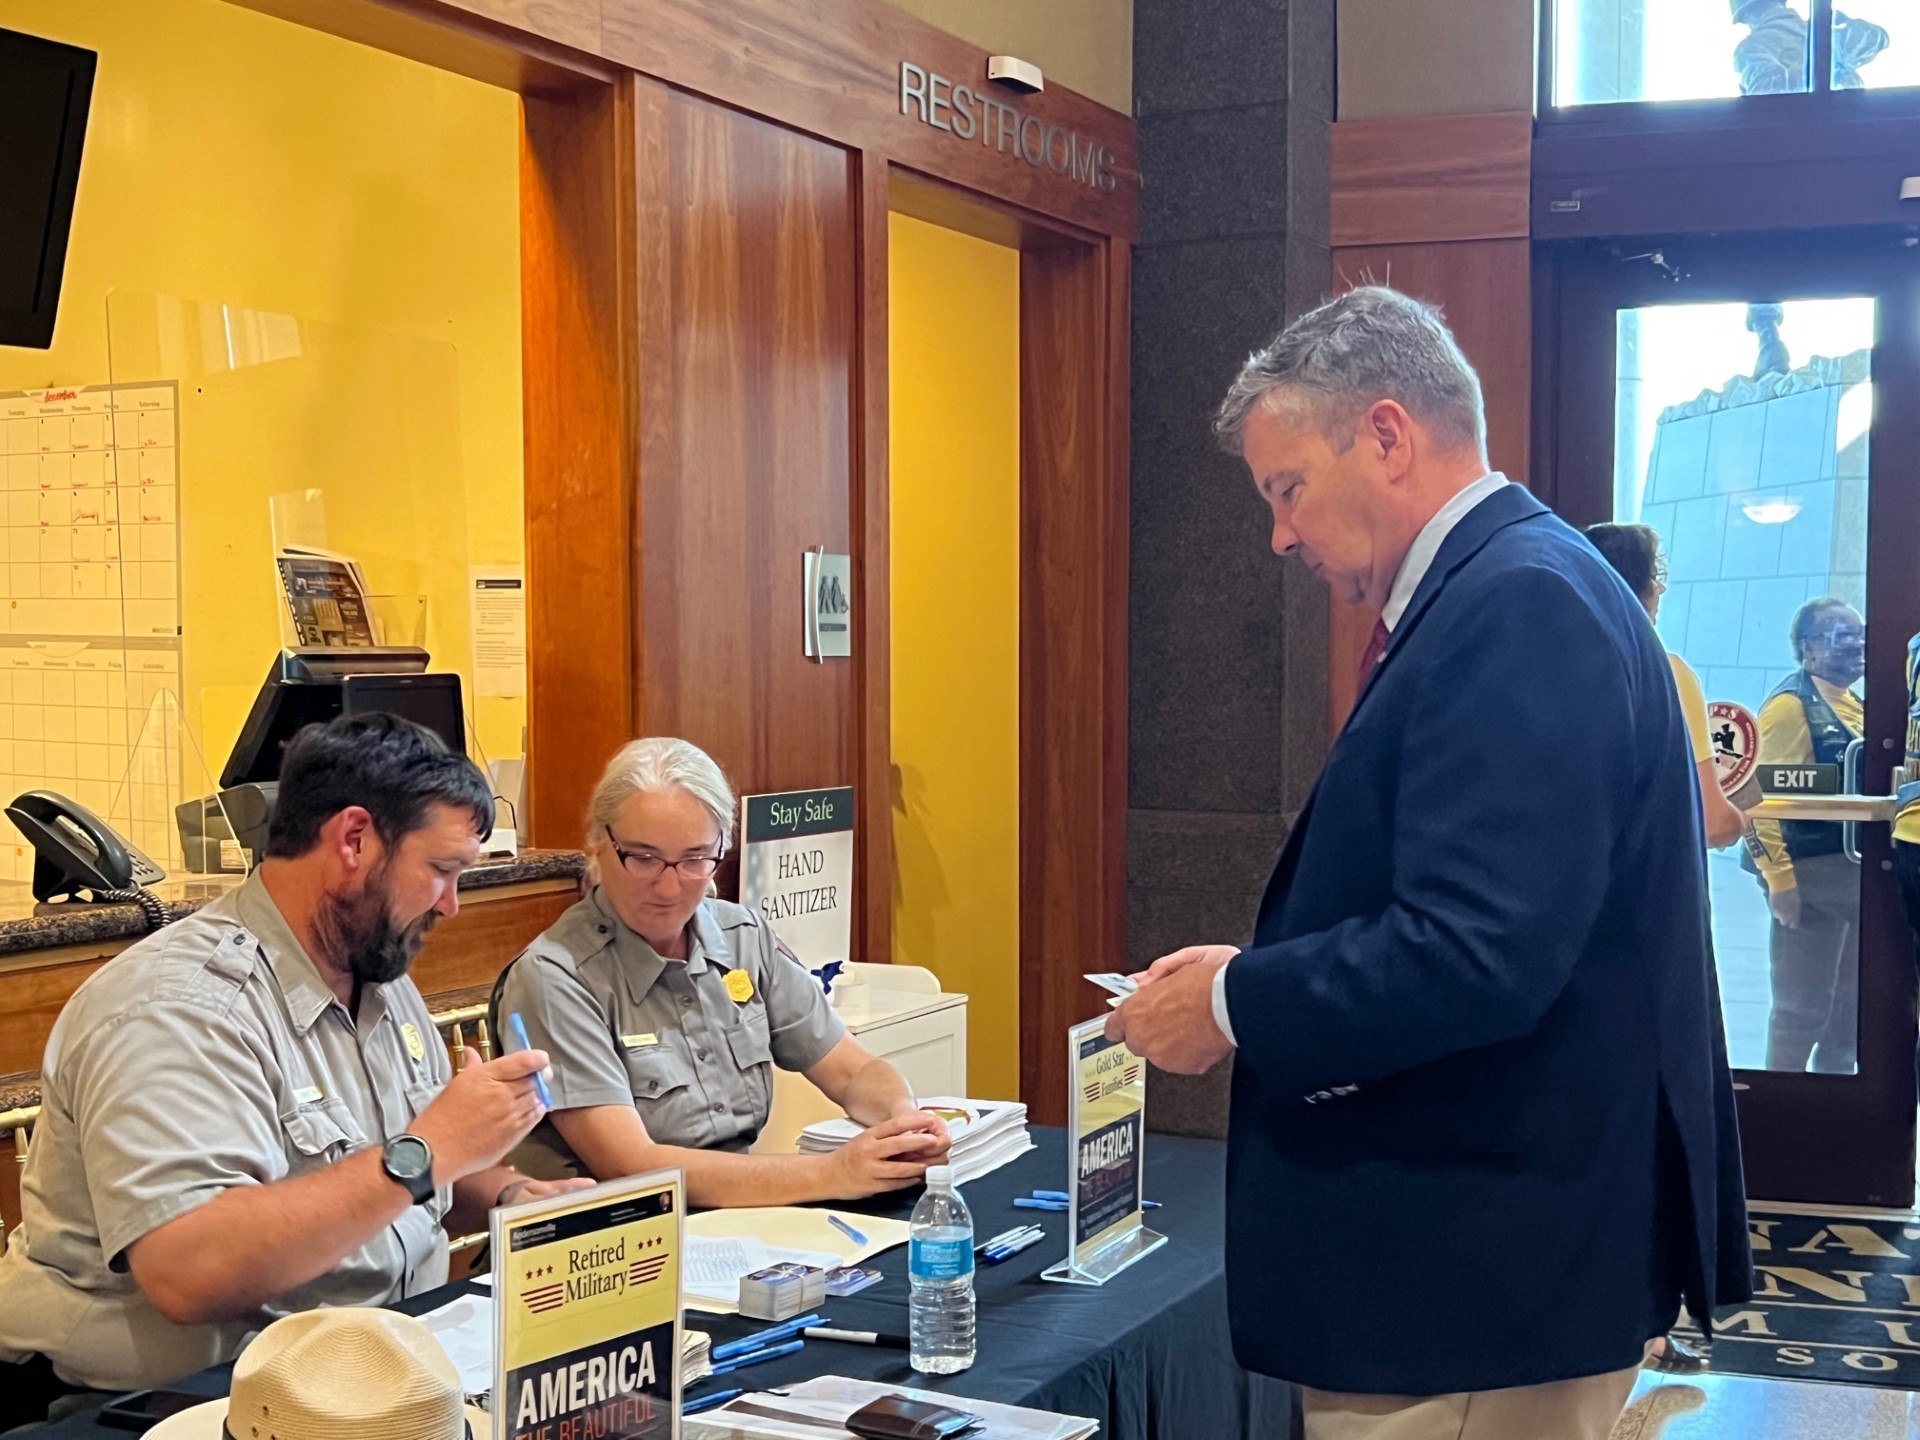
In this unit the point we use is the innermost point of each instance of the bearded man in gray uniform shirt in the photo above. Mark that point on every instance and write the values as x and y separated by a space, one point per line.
249 1112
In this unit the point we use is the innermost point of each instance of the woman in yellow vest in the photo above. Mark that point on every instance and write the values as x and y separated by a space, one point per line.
1634 550
1813 889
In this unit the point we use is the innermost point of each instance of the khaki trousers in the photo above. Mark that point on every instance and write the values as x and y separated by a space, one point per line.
1583 1409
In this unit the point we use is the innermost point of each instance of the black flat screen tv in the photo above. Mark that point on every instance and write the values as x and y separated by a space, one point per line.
45 91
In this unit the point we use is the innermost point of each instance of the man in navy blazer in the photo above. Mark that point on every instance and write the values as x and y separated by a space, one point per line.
1482 1140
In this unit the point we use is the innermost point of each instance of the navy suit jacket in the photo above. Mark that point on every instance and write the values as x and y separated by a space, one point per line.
1491 920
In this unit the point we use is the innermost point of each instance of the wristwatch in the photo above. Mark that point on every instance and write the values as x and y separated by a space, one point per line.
408 1160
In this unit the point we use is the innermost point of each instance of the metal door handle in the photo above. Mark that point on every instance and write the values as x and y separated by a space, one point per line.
1852 809
1850 782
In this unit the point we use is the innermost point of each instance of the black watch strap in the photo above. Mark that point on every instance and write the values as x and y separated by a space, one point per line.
408 1161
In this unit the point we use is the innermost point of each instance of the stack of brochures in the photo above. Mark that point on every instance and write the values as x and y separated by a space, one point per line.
986 1134
818 1409
696 1356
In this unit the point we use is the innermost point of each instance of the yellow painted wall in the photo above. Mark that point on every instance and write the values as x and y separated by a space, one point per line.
1085 45
359 213
955 513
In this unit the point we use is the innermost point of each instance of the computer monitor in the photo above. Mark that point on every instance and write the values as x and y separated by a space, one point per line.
429 700
306 687
45 92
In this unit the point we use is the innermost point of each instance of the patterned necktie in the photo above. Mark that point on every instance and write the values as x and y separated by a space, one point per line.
1376 645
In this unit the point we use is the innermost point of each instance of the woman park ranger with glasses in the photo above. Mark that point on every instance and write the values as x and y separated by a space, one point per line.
664 1011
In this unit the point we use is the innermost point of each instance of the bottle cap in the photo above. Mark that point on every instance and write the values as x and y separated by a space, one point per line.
939 1177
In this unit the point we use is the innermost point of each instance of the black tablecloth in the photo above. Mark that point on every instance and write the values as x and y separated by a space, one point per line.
1147 1355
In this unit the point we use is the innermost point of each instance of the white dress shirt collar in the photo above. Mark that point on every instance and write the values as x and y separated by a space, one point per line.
1426 545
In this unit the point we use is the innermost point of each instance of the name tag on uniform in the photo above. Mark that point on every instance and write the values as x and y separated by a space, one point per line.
739 986
416 1047
308 1094
639 1042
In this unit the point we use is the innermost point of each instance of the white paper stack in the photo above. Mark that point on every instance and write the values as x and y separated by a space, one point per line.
986 1134
817 1410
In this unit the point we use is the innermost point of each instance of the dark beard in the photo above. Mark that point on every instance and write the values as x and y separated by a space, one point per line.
356 930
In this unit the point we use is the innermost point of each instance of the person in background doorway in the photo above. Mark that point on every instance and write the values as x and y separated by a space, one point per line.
1634 550
1813 889
665 1011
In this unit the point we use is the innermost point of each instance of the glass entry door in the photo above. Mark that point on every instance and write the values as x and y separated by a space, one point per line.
1754 403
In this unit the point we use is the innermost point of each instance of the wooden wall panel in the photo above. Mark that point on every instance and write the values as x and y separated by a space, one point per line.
832 67
1438 177
575 240
1485 289
872 573
747 369
1073 607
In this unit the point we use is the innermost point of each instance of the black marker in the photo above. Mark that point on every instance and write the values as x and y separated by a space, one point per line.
858 1337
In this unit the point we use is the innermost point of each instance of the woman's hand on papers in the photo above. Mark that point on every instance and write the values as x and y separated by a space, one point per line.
931 1122
889 1156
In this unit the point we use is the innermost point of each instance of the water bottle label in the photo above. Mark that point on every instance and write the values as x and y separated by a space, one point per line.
939 1259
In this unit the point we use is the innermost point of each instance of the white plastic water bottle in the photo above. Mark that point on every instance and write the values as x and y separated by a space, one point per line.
940 1277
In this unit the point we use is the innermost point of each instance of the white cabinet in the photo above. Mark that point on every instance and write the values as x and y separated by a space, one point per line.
901 1015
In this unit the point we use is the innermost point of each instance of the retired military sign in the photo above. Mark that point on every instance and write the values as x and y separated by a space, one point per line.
586 1293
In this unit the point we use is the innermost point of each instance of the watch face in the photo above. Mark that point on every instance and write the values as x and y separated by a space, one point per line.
408 1157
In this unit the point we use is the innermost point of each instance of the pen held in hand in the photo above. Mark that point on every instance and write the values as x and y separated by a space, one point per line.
517 1028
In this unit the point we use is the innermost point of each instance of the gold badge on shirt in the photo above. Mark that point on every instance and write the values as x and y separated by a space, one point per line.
416 1047
739 986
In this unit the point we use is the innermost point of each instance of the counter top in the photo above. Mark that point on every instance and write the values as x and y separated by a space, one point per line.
27 925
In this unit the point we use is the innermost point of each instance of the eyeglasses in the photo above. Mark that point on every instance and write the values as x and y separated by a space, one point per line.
645 865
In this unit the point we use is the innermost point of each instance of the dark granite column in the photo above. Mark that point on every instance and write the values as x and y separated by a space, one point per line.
1227 687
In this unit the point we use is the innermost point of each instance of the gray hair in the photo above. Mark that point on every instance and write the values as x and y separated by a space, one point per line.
654 766
1371 344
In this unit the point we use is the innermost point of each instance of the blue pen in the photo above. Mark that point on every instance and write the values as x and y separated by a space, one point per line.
772 1352
1059 1195
1007 1252
1027 1202
710 1402
772 1335
518 1029
846 1229
1149 1204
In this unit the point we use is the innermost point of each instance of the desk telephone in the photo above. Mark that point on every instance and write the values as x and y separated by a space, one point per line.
75 850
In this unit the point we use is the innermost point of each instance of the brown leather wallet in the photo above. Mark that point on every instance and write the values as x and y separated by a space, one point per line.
895 1417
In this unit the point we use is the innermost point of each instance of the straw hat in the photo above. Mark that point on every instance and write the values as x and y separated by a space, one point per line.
345 1374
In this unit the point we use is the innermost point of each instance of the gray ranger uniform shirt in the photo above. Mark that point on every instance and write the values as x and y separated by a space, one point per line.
209 1054
625 1027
